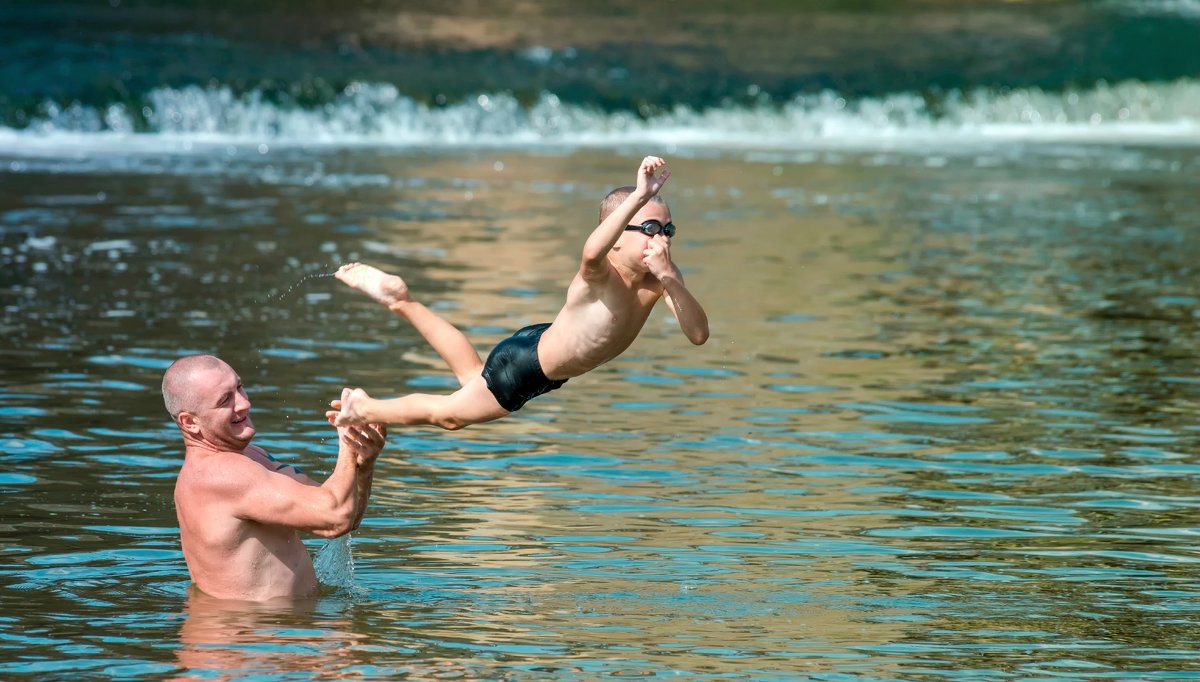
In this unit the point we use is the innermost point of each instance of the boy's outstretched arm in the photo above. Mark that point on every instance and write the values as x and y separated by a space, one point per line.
601 241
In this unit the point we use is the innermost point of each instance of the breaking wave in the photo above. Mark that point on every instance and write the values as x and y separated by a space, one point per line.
379 114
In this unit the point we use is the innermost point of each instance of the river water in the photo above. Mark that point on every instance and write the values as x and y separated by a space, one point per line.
944 427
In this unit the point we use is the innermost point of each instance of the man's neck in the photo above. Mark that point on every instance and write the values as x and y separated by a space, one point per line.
202 447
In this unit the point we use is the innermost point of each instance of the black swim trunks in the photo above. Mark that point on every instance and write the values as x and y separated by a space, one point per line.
512 371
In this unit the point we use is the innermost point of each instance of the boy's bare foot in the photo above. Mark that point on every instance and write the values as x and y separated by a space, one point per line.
379 285
349 408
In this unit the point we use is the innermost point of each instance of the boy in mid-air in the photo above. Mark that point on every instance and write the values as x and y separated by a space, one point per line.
626 268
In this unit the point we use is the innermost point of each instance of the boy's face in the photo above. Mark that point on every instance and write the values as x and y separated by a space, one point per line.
633 242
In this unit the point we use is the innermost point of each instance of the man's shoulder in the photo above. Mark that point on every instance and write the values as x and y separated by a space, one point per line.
219 470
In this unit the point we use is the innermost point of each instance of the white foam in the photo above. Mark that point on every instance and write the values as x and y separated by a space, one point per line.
40 243
214 120
1179 8
110 245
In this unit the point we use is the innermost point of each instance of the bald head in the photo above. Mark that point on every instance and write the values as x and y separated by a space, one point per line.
615 197
179 386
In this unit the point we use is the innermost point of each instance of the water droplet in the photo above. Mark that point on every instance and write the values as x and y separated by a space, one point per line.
313 275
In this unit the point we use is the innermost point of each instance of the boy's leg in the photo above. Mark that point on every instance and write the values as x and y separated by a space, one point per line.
471 404
451 344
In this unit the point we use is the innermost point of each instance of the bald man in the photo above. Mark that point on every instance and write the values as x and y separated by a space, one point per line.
239 509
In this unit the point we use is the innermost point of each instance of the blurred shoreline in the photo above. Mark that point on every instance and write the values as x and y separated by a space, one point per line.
623 56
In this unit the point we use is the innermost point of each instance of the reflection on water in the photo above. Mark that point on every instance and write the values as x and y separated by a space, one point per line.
240 639
944 423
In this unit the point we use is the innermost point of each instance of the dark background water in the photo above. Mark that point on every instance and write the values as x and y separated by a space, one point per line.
638 57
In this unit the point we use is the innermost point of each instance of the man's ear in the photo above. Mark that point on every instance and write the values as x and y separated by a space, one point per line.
188 424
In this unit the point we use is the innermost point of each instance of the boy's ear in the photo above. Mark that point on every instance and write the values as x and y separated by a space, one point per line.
188 423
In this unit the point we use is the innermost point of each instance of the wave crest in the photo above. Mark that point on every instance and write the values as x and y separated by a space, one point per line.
380 114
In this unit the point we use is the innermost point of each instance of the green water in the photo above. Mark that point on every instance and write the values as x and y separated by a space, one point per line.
640 58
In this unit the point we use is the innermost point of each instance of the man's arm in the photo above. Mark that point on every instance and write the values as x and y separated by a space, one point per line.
366 475
255 493
606 234
366 472
291 500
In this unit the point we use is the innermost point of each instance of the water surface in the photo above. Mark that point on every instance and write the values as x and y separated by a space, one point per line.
943 425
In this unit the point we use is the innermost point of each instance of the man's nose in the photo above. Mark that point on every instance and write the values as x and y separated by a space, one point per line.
242 402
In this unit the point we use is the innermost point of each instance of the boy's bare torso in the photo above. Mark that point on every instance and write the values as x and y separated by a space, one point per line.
597 323
229 557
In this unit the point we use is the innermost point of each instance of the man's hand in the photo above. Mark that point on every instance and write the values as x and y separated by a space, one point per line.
365 441
648 184
657 256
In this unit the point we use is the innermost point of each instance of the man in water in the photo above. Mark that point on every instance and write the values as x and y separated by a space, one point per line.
625 269
239 509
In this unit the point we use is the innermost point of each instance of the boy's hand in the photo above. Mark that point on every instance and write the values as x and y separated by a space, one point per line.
648 184
657 256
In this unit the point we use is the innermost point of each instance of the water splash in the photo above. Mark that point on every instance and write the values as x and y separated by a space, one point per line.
274 297
334 563
375 113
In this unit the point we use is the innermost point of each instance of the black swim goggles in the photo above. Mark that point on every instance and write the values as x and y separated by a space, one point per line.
653 227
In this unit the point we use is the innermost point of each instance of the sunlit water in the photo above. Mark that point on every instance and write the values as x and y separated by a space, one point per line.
944 427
